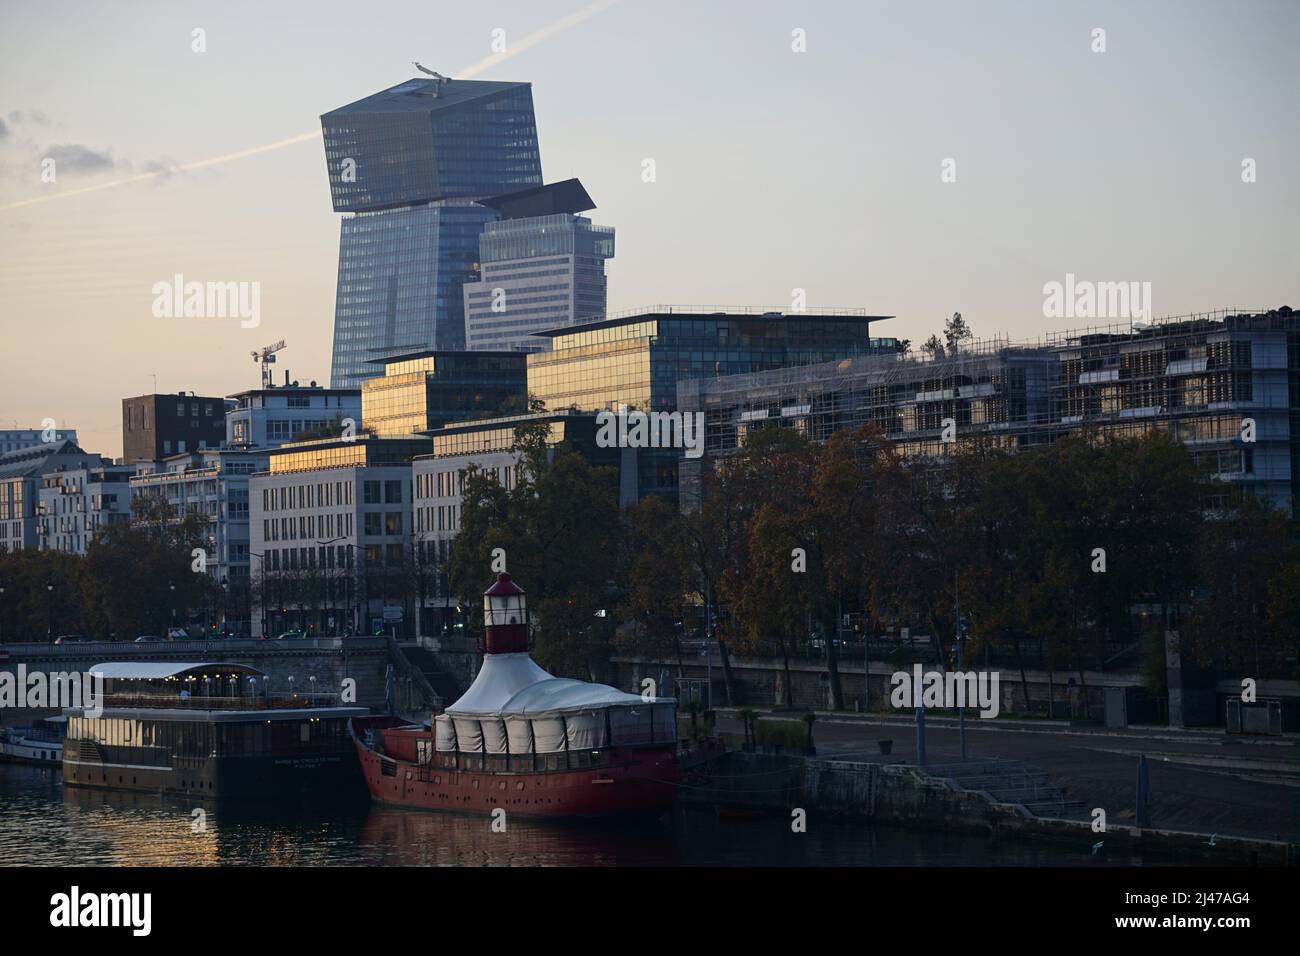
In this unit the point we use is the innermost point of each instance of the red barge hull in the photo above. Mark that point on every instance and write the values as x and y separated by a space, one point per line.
626 781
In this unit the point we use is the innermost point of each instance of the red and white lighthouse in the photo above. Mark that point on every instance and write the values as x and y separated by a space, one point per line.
505 618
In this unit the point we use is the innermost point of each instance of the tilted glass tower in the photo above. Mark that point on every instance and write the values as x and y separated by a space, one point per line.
407 164
541 267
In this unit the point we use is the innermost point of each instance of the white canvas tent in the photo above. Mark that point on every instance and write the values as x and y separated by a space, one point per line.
516 707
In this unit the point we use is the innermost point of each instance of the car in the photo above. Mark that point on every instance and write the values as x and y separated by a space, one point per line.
150 639
292 636
177 634
72 639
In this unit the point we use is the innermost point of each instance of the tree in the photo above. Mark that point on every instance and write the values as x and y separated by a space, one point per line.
955 332
559 530
1245 558
655 577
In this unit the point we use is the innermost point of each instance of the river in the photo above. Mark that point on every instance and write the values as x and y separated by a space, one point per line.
42 824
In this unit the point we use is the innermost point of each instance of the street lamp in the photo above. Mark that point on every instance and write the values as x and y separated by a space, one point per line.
172 588
49 611
2 613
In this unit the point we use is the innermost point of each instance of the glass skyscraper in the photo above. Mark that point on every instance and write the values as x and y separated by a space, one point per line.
407 163
540 273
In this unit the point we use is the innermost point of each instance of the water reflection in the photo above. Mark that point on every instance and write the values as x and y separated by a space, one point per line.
41 823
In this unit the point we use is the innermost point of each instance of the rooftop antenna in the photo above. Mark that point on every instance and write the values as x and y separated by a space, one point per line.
266 357
438 78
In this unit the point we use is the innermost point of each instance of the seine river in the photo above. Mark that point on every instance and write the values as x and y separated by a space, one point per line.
42 824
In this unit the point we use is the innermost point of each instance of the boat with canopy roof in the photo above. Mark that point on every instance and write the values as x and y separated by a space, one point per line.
523 740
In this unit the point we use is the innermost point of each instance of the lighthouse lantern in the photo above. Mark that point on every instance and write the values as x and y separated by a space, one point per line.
505 617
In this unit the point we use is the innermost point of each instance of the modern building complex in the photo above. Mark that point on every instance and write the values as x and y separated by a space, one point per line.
77 502
637 359
269 417
541 267
424 390
155 427
21 477
214 483
1207 380
14 439
331 534
406 164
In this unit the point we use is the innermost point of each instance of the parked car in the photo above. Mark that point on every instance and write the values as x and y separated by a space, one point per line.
292 636
150 639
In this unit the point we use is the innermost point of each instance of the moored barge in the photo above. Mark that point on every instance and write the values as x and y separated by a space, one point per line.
207 729
522 740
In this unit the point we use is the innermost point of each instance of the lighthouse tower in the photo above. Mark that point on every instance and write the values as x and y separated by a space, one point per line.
505 618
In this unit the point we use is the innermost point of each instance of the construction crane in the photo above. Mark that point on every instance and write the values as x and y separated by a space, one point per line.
266 357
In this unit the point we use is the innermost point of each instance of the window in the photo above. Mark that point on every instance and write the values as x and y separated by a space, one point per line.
371 492
393 523
393 492
374 523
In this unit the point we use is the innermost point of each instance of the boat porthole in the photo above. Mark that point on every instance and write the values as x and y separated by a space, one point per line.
519 785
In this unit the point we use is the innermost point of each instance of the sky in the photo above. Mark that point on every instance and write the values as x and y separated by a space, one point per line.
776 169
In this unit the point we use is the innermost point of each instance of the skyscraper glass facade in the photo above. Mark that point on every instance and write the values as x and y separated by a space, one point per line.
401 273
407 163
406 145
538 273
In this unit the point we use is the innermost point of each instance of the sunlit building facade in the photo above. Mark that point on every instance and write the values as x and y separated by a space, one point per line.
330 531
424 390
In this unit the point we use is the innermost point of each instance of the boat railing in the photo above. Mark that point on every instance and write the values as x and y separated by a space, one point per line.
260 702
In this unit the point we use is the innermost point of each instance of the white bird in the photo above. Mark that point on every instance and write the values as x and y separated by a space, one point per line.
1097 846
1210 841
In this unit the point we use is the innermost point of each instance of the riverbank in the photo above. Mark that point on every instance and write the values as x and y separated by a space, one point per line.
899 795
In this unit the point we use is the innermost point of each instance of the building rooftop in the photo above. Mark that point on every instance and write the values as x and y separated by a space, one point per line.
566 196
29 461
428 353
416 95
748 313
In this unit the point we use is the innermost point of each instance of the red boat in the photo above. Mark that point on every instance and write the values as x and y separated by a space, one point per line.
524 741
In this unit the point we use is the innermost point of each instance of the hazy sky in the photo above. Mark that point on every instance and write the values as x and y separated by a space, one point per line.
776 170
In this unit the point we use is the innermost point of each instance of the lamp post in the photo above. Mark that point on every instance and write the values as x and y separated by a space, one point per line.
49 611
3 607
225 595
171 587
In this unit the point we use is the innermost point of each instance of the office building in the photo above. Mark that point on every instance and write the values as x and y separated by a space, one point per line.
15 439
541 266
424 390
269 417
213 483
637 359
406 164
1199 378
155 427
331 537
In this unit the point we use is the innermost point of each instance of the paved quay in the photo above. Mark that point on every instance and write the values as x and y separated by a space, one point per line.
1201 780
